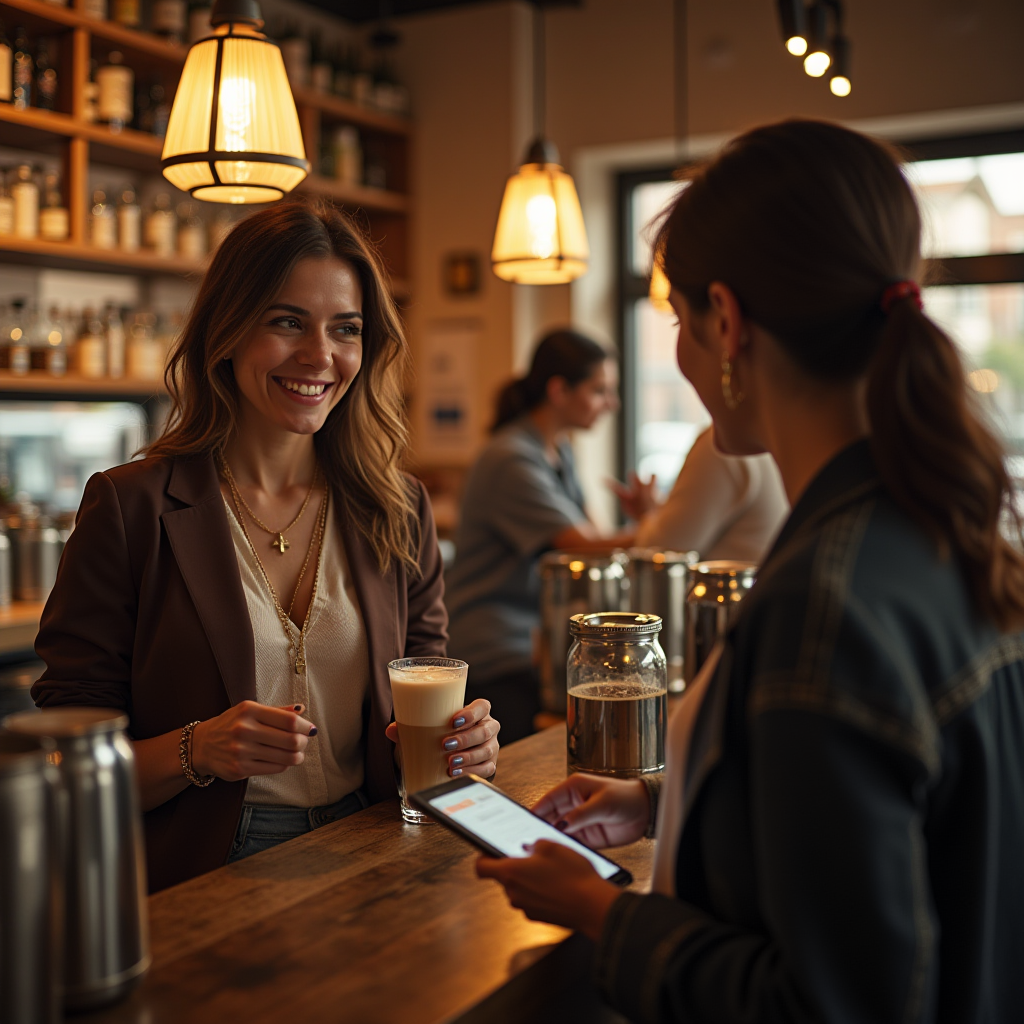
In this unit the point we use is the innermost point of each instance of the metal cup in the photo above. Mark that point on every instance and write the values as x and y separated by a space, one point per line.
107 928
712 601
31 883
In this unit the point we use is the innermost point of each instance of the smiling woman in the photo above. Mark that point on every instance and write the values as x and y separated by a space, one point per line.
254 667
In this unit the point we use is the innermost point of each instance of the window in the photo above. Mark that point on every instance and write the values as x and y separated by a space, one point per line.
971 193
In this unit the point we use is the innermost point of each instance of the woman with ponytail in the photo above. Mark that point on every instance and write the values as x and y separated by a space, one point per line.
523 498
841 826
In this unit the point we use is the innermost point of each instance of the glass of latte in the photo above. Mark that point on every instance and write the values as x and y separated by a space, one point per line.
426 693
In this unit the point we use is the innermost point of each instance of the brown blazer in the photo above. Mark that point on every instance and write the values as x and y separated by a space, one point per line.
148 615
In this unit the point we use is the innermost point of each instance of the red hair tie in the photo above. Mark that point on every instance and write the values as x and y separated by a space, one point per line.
898 291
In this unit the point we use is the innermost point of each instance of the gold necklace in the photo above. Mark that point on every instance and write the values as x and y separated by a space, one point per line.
280 541
285 616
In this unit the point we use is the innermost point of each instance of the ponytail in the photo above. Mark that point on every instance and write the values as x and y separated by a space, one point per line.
563 353
940 462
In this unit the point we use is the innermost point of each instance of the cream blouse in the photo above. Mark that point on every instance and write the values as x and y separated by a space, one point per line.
333 685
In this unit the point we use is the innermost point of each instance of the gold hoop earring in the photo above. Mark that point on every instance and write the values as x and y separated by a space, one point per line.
732 398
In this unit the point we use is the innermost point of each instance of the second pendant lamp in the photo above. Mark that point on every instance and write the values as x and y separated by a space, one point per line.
540 237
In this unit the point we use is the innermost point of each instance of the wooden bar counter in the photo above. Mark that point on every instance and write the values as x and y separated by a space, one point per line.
368 920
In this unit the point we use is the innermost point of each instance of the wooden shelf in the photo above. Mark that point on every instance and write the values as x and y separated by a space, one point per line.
360 196
37 383
68 256
353 113
19 623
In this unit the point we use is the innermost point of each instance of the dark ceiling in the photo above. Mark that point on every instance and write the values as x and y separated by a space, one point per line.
372 10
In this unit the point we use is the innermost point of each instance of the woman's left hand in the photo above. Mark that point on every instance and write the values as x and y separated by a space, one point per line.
554 884
472 745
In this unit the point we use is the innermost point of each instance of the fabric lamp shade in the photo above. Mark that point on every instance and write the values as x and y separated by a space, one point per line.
233 134
540 238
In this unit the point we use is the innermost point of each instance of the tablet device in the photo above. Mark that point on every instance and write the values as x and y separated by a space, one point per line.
498 825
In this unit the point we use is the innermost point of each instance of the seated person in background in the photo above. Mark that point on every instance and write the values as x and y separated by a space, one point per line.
522 499
721 506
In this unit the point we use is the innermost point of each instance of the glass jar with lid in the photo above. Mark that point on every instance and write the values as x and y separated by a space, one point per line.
617 684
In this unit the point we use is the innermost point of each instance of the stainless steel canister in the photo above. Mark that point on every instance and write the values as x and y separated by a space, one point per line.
657 584
571 584
712 600
35 552
31 883
107 929
617 695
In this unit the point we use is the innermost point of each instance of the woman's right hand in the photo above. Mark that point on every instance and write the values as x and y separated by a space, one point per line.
598 811
251 739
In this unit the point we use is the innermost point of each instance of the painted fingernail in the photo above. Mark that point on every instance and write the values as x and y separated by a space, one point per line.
312 730
451 744
296 707
456 761
456 771
459 722
561 825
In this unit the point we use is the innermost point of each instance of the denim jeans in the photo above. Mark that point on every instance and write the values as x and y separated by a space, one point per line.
263 826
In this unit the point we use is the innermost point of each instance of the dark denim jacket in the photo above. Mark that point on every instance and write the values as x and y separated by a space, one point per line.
855 845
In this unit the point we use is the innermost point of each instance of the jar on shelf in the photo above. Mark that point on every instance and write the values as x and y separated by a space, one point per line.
102 222
46 78
94 9
113 331
49 350
6 67
348 156
14 345
6 204
191 233
90 348
126 12
145 353
617 685
23 71
53 218
129 221
116 83
169 19
25 192
161 228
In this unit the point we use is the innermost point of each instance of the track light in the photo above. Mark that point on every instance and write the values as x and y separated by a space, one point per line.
794 26
839 83
817 60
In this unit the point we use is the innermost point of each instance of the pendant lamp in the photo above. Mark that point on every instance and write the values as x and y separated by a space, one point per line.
233 134
540 237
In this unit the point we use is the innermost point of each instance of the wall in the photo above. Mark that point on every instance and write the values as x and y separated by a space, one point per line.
611 76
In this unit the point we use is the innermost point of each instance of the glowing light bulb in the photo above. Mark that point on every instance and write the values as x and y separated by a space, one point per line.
796 45
542 226
816 64
840 85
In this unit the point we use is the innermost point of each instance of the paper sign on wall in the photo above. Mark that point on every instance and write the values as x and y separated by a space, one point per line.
446 392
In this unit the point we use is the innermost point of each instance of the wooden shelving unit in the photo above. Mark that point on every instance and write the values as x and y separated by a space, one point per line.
71 384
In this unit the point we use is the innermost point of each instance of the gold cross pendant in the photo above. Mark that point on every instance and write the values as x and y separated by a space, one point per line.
280 543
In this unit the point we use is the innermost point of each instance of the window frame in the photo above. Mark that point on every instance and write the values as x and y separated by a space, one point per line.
990 268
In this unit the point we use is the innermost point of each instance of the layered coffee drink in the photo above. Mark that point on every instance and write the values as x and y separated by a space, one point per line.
426 693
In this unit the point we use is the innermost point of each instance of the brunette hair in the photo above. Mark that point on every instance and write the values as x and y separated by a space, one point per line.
360 445
808 223
563 353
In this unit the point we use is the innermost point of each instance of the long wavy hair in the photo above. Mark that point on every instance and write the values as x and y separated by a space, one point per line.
808 223
360 446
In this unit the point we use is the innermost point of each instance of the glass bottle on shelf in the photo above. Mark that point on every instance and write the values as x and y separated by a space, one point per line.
116 84
160 110
90 348
169 19
26 202
6 67
127 13
53 218
94 9
102 222
49 345
348 156
23 71
14 354
46 78
162 227
129 221
113 329
145 353
6 204
199 12
191 233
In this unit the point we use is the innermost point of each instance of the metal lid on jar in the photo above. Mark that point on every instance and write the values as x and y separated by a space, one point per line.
721 581
662 556
65 723
577 562
614 625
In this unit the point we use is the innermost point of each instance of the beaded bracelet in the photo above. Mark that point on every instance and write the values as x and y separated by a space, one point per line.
185 754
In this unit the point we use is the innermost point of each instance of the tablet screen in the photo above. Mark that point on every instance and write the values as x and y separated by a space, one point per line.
507 826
